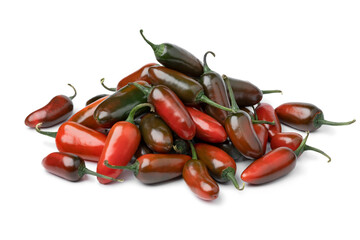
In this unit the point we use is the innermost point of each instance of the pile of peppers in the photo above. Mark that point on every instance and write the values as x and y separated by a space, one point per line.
178 119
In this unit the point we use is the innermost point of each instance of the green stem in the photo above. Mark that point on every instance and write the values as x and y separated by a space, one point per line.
271 91
153 46
229 174
50 134
302 145
83 170
234 105
262 122
133 111
203 98
307 147
102 83
255 114
206 67
326 122
193 151
133 167
72 97
142 88
180 146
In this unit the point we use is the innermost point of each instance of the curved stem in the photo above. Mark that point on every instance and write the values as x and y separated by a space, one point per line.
153 46
255 114
50 134
326 122
72 97
180 146
234 105
203 98
193 151
262 122
133 167
271 91
142 88
83 170
107 88
307 147
302 145
133 111
206 67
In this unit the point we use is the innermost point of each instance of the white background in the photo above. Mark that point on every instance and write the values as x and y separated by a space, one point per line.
309 49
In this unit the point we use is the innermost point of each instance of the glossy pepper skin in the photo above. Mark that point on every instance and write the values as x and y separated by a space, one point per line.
77 139
156 134
117 106
275 164
156 168
95 98
56 111
214 88
221 166
176 58
68 166
263 135
86 116
142 150
121 144
139 75
198 178
304 116
207 128
265 111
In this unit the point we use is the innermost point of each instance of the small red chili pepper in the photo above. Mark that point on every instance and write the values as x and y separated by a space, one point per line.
56 111
155 168
69 166
75 138
304 116
292 140
221 166
121 144
198 179
265 111
207 128
273 165
86 116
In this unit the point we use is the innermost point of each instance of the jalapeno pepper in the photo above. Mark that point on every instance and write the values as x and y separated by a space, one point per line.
117 106
156 134
56 111
304 116
95 98
121 144
69 166
176 58
265 111
221 166
215 90
155 168
75 138
275 164
292 140
198 178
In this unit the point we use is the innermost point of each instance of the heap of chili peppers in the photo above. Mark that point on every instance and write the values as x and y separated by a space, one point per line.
178 119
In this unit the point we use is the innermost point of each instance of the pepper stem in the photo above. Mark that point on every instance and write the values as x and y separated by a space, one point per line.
262 122
142 88
133 167
83 170
206 67
50 134
193 151
180 146
271 91
153 46
229 174
72 97
326 122
307 147
301 147
133 111
234 105
106 87
203 98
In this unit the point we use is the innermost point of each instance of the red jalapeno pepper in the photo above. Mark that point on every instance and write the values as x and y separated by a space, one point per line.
86 116
95 98
155 168
207 128
265 111
221 166
273 165
292 140
198 178
69 166
56 111
75 138
170 108
215 90
176 58
121 144
304 116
